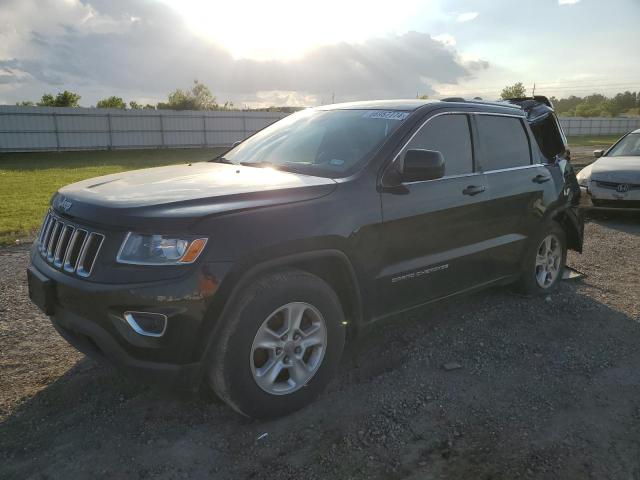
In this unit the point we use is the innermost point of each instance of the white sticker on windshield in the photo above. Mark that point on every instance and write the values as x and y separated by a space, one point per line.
386 114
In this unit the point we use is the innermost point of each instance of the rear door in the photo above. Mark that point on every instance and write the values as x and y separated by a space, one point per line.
432 232
517 184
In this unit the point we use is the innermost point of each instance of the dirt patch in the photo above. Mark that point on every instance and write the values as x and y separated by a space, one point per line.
548 388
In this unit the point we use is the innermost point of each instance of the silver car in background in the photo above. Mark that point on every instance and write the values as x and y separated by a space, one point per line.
613 180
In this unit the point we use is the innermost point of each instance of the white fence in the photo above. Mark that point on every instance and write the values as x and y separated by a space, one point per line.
42 128
576 126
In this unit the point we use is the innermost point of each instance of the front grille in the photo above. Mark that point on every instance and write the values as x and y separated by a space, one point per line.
69 247
614 185
616 203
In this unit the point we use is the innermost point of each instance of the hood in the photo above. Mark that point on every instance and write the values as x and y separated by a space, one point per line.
617 169
184 191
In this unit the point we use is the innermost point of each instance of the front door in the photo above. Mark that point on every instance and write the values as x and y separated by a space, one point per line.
433 237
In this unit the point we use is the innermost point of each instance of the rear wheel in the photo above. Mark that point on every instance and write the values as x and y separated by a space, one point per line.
544 263
281 343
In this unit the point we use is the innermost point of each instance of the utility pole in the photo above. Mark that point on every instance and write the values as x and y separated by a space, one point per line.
533 94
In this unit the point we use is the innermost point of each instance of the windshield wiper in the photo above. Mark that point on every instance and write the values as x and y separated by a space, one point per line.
222 160
258 164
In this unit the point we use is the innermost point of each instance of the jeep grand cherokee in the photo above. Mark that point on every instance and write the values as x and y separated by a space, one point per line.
246 273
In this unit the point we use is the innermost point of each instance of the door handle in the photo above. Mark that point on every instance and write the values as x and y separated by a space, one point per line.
474 189
541 178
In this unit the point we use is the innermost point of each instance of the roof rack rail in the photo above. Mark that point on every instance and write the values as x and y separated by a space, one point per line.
479 101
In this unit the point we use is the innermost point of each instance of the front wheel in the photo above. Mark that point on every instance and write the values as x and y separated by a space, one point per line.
280 345
544 263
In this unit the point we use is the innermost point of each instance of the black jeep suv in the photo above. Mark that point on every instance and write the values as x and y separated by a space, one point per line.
246 273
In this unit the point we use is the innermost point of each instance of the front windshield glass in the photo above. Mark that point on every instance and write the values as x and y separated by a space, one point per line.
629 145
326 143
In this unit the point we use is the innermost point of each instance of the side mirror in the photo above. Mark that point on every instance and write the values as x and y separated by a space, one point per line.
598 153
421 165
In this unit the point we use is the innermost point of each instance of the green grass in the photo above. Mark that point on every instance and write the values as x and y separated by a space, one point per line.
27 180
593 141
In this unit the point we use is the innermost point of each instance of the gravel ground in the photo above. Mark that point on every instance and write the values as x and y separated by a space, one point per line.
546 388
583 156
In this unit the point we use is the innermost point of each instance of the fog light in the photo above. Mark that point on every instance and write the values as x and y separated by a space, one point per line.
147 323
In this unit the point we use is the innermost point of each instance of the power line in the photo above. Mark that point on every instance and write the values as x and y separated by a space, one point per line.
564 88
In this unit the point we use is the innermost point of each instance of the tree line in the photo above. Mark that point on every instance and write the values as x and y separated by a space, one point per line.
198 97
594 105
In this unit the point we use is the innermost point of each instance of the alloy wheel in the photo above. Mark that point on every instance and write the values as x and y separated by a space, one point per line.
548 261
288 348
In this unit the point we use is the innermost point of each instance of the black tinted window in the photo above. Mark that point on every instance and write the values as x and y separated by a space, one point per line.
449 135
503 142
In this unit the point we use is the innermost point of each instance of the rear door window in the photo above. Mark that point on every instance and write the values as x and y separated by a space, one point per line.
450 135
503 142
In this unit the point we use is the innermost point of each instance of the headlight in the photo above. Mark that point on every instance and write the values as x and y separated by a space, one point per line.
584 176
142 249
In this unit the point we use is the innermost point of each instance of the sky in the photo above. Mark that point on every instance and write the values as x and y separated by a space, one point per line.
304 53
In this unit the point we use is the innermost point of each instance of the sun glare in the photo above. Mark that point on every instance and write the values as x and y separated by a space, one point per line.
287 29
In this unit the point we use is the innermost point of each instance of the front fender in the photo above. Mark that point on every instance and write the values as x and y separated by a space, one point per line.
243 273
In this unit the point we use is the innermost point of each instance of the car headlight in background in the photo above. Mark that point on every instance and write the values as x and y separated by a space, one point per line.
143 249
584 176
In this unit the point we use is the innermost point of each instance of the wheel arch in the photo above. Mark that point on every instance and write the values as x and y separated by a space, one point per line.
572 224
331 265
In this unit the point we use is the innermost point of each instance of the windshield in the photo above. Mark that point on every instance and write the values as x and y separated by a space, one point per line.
325 143
629 145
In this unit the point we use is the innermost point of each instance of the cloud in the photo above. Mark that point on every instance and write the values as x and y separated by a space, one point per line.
468 16
445 38
567 2
141 49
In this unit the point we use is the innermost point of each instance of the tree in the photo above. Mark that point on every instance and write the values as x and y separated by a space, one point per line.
138 106
198 98
25 103
112 102
62 99
516 90
204 99
566 105
422 97
625 101
588 110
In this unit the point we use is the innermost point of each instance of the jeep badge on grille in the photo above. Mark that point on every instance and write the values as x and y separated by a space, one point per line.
65 205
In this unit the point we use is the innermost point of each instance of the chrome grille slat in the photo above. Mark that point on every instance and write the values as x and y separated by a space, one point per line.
89 254
43 230
68 247
55 232
71 259
45 239
63 244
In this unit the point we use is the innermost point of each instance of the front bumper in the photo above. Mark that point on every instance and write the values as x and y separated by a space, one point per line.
96 342
595 198
90 316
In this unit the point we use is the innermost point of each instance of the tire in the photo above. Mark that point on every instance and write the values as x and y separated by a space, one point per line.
243 370
530 282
